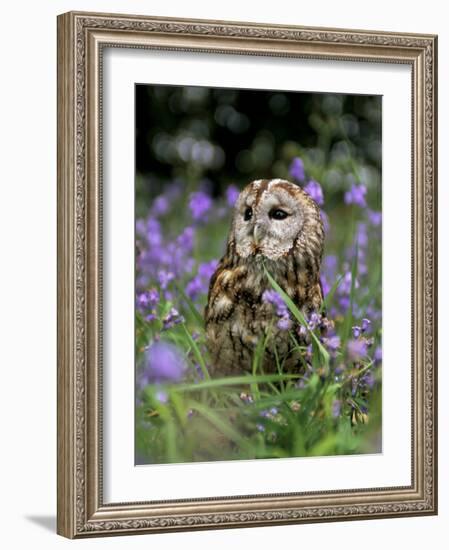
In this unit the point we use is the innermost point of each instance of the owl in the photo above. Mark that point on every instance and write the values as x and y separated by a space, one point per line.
276 226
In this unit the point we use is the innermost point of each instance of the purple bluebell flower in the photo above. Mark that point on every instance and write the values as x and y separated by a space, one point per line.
346 283
325 285
200 283
368 379
207 269
314 320
172 318
185 240
366 323
198 370
189 264
148 299
284 323
260 427
344 302
340 369
142 300
195 287
232 194
165 277
357 349
309 351
362 235
362 266
378 354
160 206
361 253
273 298
153 297
296 169
336 408
373 312
162 396
199 204
356 195
153 232
313 188
268 413
356 331
140 227
246 397
163 362
330 263
325 220
332 343
374 217
356 310
150 317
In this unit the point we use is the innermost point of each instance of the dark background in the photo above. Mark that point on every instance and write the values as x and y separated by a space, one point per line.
227 135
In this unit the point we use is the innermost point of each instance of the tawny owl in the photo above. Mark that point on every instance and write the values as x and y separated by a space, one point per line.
277 225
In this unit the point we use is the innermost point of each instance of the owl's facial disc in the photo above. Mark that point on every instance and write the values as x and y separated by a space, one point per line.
267 220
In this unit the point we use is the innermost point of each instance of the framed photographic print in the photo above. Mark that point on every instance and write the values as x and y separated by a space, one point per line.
246 274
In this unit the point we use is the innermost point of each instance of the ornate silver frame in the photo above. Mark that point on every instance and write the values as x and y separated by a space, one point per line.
81 39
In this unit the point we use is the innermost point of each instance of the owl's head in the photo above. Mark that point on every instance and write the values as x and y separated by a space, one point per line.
275 218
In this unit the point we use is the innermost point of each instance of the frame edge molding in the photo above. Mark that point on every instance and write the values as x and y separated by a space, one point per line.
77 224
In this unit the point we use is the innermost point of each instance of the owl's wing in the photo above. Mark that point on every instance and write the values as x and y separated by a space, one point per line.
214 287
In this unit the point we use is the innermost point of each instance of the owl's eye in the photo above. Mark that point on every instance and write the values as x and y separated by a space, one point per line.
278 214
248 214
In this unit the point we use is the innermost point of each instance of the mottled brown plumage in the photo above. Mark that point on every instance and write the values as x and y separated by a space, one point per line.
278 225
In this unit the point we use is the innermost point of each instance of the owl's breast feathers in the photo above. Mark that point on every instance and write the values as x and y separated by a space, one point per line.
237 317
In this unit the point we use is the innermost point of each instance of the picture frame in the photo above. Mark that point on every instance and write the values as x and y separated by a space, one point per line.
82 41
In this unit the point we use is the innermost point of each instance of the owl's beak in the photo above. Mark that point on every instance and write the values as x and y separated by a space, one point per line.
258 234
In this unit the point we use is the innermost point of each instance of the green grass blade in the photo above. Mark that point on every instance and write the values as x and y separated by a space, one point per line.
197 353
234 381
